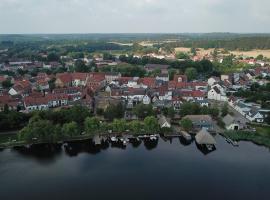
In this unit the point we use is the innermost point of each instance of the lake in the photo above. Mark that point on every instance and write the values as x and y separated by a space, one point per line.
148 170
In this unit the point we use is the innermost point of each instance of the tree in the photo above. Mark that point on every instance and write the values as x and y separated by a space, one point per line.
22 72
119 125
186 124
135 126
143 111
81 67
171 112
191 73
91 125
70 129
38 130
182 55
260 57
53 57
193 51
114 111
151 124
224 110
214 112
7 83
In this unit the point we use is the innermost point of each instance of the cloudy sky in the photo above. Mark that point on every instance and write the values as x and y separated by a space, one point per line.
134 16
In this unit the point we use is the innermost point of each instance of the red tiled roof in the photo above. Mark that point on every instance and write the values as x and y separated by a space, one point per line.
148 81
79 76
2 78
53 97
30 101
64 77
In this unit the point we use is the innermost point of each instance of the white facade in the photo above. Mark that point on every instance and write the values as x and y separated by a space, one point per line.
146 100
12 92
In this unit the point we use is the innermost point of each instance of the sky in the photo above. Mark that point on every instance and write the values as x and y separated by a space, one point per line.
134 16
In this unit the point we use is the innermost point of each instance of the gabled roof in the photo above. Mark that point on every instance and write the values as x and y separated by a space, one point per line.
228 119
204 137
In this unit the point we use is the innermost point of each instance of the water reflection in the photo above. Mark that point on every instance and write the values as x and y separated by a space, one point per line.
45 153
185 142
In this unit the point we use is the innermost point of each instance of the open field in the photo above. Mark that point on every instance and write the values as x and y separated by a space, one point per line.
253 53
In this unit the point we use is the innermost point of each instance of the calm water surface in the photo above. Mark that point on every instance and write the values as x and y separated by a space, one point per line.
163 170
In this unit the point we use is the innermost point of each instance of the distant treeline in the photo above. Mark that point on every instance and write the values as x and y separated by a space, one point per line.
245 44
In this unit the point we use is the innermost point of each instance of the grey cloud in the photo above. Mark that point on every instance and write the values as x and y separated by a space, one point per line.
89 16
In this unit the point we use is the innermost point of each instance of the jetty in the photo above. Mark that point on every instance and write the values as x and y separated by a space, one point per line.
97 140
186 135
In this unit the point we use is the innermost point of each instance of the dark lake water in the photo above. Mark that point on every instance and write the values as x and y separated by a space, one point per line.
163 170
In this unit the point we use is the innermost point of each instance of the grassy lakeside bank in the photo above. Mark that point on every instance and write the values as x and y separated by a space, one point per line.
260 137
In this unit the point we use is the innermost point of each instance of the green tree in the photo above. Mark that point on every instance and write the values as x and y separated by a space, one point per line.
80 66
151 124
260 57
224 110
135 126
143 111
171 112
53 57
38 130
214 112
182 55
7 83
91 125
70 129
114 112
191 73
119 125
186 124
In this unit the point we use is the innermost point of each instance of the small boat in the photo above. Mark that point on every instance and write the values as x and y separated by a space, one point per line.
113 139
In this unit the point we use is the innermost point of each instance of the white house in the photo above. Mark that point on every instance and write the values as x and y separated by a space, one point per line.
213 80
163 77
255 116
13 92
146 100
231 123
217 93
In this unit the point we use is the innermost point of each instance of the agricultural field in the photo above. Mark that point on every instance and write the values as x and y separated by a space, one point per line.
253 53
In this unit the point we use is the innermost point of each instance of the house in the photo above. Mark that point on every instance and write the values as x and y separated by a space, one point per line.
213 80
112 76
146 100
217 92
42 84
73 93
35 103
6 100
135 94
180 78
255 116
231 123
57 100
147 82
203 137
96 81
63 80
23 88
79 79
163 77
202 102
164 122
201 121
152 67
